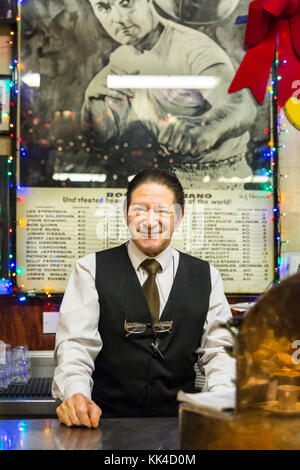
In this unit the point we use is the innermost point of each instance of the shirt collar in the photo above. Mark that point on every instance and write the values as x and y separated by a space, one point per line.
137 256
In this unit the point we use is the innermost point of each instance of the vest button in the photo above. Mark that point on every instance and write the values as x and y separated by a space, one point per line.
151 382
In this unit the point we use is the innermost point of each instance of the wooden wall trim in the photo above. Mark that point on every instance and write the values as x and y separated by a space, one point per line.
23 323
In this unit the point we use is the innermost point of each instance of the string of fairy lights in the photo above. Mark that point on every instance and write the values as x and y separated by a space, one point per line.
277 129
8 284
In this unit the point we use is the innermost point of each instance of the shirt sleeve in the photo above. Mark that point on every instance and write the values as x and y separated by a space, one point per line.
78 340
202 52
218 367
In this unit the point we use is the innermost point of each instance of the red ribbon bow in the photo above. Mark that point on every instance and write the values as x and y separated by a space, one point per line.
271 23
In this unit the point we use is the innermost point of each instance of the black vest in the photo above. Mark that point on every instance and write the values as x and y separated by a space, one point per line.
130 378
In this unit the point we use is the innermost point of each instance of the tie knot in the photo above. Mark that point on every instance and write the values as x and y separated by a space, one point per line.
152 266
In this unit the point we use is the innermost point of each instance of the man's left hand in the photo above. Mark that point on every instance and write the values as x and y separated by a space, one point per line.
187 139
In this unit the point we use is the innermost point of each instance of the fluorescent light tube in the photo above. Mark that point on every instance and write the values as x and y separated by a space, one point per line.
162 81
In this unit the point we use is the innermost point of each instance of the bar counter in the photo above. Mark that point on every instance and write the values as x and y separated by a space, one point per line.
112 434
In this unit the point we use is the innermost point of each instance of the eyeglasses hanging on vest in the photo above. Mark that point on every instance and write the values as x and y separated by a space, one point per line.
152 267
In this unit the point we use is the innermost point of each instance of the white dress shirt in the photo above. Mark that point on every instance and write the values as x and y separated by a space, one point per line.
78 341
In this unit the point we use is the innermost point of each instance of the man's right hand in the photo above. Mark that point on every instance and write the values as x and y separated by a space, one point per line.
98 91
79 411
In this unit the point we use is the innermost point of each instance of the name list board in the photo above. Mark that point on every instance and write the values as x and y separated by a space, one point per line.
233 230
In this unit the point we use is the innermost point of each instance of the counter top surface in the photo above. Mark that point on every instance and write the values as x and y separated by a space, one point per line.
112 434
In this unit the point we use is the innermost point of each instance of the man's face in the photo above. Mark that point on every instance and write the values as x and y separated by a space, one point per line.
152 217
126 21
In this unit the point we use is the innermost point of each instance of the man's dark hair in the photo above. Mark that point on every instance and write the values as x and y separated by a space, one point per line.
156 175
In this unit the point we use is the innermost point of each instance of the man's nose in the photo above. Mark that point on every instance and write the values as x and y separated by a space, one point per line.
119 14
151 218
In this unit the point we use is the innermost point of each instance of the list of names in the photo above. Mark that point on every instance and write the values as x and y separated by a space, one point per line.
56 226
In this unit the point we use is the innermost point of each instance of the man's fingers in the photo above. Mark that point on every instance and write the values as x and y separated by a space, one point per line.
75 411
63 416
112 93
94 412
73 405
68 413
103 92
166 133
186 149
195 148
82 410
178 135
125 92
120 94
187 145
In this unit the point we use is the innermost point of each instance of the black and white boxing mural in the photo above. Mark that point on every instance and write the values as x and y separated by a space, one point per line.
82 125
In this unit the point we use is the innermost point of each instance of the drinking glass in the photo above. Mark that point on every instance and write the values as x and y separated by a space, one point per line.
8 361
19 373
19 353
20 361
3 378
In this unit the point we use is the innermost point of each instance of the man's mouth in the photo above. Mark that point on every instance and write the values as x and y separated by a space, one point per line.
149 232
126 31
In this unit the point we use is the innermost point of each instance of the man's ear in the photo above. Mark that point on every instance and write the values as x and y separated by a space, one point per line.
125 212
179 213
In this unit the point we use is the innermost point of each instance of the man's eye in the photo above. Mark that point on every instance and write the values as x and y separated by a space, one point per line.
103 7
162 211
125 3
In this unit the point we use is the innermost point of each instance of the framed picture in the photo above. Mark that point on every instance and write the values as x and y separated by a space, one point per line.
4 103
97 107
75 124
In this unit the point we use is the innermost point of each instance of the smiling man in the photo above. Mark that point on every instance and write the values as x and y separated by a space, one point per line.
135 318
152 217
